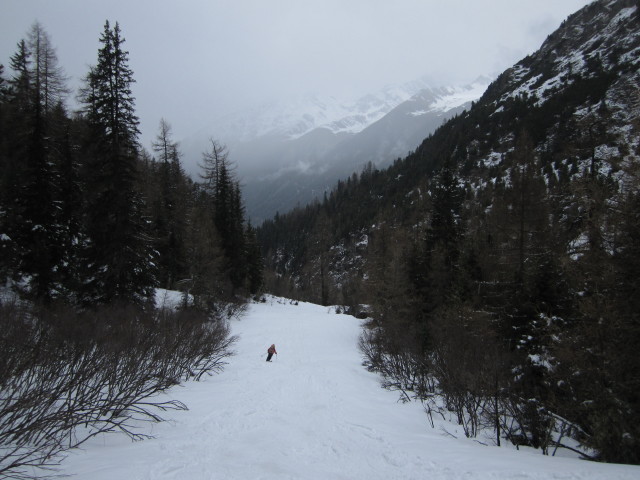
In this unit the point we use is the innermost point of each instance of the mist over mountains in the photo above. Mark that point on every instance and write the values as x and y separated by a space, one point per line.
289 154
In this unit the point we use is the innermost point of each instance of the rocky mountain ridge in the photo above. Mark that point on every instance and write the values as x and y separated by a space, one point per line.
295 169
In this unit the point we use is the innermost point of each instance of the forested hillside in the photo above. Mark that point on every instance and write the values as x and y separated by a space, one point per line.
90 225
500 261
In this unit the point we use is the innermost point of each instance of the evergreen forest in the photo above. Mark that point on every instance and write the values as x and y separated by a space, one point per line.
91 224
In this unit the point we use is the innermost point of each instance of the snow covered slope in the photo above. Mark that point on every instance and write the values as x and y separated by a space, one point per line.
313 413
601 37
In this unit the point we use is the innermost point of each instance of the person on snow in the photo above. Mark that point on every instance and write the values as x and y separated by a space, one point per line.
271 351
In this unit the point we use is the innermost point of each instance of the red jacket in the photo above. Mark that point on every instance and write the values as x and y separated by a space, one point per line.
272 350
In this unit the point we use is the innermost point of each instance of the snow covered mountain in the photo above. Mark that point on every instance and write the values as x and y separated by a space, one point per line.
290 154
298 116
314 412
404 127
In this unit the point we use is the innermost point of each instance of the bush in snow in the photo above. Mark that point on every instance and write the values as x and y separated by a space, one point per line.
66 377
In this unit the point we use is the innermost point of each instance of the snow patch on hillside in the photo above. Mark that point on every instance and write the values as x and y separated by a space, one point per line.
459 96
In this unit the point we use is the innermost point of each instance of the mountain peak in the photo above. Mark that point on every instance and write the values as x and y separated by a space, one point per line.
297 116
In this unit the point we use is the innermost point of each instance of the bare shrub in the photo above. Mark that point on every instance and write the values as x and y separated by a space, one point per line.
396 355
66 377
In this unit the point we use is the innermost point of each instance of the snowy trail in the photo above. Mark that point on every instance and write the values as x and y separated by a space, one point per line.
312 413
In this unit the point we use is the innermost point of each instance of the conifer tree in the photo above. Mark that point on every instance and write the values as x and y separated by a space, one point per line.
65 134
3 84
43 242
13 151
5 244
48 77
213 161
255 264
435 265
169 210
236 240
118 253
30 167
20 83
206 279
228 211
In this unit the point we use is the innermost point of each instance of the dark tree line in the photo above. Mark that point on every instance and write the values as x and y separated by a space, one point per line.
88 217
90 225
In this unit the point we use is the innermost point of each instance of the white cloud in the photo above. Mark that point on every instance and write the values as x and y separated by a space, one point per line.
196 59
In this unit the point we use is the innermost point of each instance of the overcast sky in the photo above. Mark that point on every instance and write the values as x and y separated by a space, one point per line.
196 59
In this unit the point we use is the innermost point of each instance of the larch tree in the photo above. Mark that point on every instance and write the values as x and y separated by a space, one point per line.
228 211
169 209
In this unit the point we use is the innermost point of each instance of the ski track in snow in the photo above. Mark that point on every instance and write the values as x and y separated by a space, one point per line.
312 413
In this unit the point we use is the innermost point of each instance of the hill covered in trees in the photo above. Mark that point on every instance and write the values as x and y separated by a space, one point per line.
499 261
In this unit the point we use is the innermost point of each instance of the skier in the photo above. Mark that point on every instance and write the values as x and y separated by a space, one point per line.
271 351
